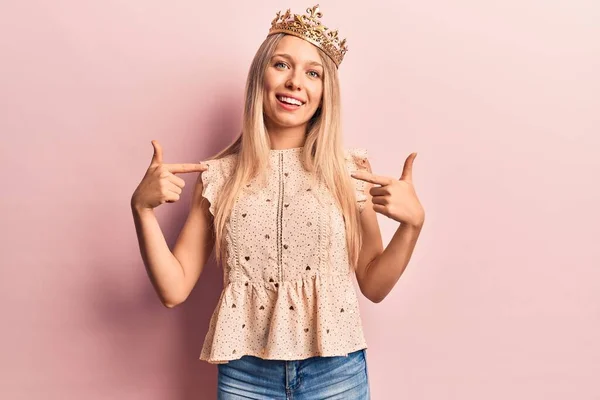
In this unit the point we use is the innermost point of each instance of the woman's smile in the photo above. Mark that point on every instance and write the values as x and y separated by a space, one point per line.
289 103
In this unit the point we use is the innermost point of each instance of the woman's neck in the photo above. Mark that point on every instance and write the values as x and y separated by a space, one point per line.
287 138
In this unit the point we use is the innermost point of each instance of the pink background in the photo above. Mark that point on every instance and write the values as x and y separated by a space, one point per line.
500 99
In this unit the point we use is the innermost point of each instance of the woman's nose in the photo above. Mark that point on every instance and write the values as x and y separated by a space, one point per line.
293 82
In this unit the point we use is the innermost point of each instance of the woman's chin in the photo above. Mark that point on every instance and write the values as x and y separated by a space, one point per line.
286 123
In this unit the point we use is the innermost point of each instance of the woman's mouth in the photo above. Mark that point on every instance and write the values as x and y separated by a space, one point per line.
289 103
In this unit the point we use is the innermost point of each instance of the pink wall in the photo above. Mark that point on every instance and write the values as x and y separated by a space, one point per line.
500 99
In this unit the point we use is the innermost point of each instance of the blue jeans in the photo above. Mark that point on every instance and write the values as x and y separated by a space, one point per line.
315 378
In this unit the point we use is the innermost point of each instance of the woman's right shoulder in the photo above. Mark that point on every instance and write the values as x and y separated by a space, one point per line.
222 164
213 179
219 169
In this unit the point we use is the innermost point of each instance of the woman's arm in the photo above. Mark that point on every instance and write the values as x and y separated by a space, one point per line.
378 270
174 275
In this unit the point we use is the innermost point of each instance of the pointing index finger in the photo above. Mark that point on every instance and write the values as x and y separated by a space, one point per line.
186 168
369 177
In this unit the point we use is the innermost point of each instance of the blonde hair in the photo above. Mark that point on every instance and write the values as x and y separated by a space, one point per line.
323 150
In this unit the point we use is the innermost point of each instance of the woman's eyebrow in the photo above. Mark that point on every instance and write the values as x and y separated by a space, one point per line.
315 63
284 55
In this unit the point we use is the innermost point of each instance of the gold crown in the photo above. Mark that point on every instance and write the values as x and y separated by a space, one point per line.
309 28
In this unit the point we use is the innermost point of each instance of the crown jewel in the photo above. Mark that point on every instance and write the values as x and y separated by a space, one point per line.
309 28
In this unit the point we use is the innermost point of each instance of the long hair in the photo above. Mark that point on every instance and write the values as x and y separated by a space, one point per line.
323 150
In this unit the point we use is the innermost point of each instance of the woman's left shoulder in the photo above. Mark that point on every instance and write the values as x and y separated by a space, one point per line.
355 152
356 158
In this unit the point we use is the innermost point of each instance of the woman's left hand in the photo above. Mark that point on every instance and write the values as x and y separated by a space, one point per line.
396 198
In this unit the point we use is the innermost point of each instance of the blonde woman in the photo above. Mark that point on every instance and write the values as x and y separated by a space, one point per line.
292 216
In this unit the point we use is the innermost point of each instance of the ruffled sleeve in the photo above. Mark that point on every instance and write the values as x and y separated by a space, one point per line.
214 178
357 160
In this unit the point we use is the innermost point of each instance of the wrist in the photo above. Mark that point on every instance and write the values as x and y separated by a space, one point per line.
413 226
140 210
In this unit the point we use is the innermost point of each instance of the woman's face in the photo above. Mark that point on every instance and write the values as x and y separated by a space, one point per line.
293 84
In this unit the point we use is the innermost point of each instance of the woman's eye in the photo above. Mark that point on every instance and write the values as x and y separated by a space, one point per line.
314 74
280 64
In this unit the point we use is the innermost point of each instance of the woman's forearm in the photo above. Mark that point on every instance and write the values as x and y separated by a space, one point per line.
385 269
163 268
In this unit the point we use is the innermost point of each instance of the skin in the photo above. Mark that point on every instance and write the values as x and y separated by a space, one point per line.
295 70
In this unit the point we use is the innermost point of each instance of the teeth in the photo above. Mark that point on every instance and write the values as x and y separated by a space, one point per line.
289 100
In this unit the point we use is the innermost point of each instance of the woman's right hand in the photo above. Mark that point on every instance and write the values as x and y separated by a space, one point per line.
160 185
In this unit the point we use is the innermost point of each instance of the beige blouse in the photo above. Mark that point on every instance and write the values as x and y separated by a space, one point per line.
288 290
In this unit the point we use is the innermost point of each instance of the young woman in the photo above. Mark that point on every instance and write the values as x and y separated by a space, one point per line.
292 216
